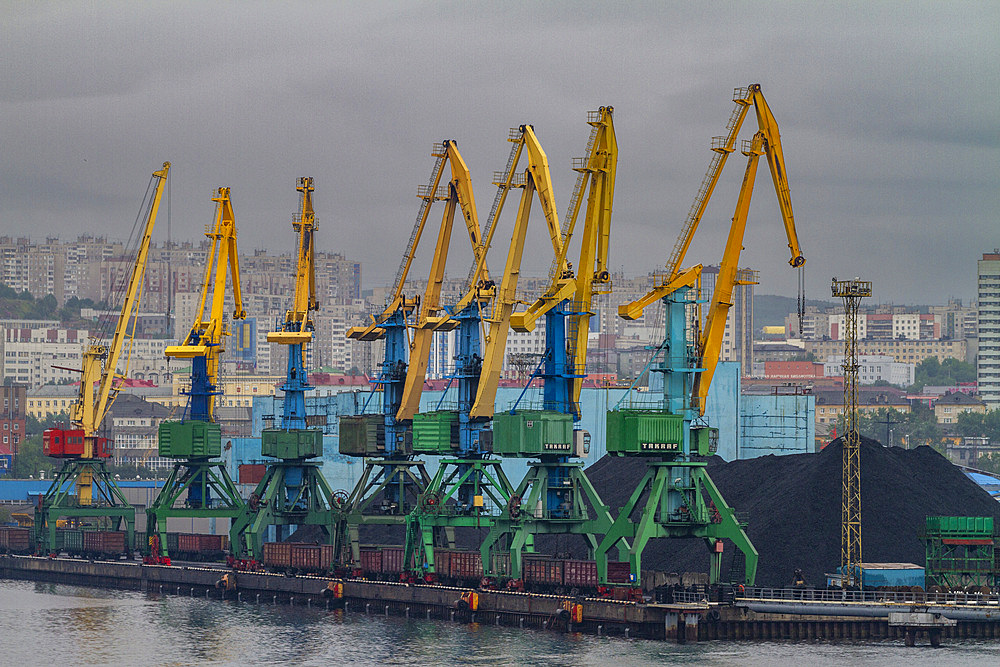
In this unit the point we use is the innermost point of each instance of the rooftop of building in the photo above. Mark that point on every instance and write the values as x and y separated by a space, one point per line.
958 398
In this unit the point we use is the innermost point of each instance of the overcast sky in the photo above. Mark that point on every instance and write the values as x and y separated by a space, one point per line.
889 117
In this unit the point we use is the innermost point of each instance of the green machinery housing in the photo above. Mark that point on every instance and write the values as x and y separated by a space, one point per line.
961 552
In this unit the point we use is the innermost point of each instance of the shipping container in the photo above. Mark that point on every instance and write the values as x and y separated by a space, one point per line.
392 560
619 572
278 555
580 573
305 557
542 571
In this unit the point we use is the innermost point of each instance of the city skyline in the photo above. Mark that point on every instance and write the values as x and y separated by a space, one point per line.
885 113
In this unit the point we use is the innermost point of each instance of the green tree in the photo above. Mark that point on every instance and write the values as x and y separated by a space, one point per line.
30 460
35 426
975 425
930 371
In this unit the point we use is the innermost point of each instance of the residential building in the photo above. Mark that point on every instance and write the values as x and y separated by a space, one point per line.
902 351
988 361
12 418
830 404
874 368
950 405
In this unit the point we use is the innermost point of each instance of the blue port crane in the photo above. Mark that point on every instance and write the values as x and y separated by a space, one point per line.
293 491
199 486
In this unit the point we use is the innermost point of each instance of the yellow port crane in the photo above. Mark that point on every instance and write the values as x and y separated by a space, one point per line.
195 441
84 450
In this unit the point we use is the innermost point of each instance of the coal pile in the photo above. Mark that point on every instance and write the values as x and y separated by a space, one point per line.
793 505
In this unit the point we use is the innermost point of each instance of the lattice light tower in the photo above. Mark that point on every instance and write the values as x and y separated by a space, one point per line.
851 291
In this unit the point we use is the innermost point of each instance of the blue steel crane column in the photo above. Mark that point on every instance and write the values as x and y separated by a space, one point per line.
470 486
392 480
293 491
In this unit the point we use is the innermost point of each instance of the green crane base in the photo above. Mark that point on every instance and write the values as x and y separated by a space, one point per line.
59 502
396 484
529 513
211 494
292 493
464 493
676 507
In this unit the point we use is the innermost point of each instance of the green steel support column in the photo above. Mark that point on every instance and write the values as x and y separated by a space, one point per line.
200 478
533 518
711 522
59 502
405 477
728 526
271 505
436 510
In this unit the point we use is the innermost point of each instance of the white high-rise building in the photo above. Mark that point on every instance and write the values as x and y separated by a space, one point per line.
988 363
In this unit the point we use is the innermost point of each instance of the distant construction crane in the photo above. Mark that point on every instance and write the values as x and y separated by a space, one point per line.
851 291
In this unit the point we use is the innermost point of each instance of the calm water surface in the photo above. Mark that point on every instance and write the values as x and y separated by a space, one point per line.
67 625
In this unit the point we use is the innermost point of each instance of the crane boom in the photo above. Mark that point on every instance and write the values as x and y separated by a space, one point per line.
537 179
710 344
298 326
458 196
89 411
203 344
723 146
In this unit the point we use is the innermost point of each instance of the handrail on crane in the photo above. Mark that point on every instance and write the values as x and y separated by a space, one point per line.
457 195
766 141
768 126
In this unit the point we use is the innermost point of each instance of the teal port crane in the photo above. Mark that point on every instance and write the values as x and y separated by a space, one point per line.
680 499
